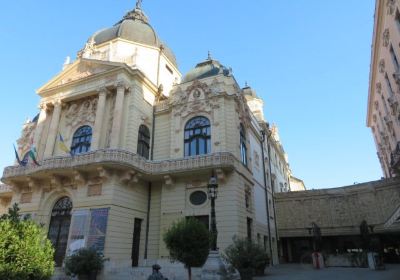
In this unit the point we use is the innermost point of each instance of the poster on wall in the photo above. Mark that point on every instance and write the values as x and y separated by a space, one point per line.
97 229
78 232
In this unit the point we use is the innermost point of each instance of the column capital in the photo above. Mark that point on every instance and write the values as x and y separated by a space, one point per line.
102 90
57 102
122 85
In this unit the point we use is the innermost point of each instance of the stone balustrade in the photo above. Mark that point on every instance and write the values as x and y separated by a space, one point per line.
129 159
5 189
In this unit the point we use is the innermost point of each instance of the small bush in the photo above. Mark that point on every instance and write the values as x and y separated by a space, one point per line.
84 262
25 251
248 258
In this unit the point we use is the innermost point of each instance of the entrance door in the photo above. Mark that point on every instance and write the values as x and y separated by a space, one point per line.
59 228
136 242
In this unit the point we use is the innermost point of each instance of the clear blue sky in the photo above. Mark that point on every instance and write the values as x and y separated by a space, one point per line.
308 60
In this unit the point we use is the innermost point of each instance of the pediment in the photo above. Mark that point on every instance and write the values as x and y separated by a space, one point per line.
80 69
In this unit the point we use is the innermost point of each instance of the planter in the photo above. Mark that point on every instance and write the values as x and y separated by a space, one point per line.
91 276
246 274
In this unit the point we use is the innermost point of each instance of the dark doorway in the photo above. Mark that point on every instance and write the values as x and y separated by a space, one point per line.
59 228
136 242
249 228
205 220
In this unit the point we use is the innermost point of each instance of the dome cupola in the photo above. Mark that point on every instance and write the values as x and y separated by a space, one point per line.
206 69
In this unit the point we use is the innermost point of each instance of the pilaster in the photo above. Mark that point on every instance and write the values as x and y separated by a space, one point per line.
51 139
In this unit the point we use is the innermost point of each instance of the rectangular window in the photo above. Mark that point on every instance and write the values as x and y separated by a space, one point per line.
169 69
398 19
265 243
249 228
394 58
388 85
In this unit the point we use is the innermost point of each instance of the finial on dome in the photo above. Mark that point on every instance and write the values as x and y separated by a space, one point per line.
246 85
139 4
209 56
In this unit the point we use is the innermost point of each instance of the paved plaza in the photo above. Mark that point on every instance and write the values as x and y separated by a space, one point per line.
306 272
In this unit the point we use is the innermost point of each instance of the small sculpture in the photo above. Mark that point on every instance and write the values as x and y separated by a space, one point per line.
156 273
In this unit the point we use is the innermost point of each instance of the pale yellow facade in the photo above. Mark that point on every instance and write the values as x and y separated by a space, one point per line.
113 89
383 115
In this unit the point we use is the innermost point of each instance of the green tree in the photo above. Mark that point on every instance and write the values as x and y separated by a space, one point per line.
188 242
25 252
247 257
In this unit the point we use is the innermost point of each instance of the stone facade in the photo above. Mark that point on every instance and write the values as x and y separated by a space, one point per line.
338 211
383 115
126 188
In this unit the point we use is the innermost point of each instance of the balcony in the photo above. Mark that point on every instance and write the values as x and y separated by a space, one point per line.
120 160
5 191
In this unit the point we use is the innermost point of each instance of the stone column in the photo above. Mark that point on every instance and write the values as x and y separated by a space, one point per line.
98 123
117 118
51 138
39 126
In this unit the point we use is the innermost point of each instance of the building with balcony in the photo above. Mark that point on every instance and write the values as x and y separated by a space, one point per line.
383 116
126 146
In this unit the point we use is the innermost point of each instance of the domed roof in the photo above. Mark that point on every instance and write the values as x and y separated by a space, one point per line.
134 27
206 69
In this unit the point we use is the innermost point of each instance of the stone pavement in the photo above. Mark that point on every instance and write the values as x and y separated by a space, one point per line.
306 272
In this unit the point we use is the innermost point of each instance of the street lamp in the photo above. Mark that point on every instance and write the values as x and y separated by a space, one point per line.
212 195
214 268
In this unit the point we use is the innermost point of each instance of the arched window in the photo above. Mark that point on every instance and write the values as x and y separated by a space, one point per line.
59 228
143 146
243 148
82 140
197 137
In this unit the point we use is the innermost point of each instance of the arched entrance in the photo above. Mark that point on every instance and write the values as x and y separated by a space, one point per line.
59 228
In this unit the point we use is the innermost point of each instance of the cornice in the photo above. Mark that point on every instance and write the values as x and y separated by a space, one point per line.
375 48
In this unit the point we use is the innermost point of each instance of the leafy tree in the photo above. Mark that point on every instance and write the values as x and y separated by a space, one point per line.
188 242
25 252
247 257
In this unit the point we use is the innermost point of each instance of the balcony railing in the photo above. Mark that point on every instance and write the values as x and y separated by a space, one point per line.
129 159
5 190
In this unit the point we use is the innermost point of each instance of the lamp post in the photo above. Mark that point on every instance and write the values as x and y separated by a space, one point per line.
212 195
214 268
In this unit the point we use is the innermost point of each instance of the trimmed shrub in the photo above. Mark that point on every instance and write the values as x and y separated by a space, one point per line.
247 257
188 242
25 251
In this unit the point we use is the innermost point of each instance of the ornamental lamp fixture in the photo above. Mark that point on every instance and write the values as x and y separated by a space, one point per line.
212 188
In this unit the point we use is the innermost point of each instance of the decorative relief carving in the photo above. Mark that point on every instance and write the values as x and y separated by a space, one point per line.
256 159
378 87
94 190
390 6
376 105
381 65
198 101
26 139
81 112
110 121
26 197
386 37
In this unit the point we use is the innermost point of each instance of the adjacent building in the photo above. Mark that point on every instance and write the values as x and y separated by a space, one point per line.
126 146
383 115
